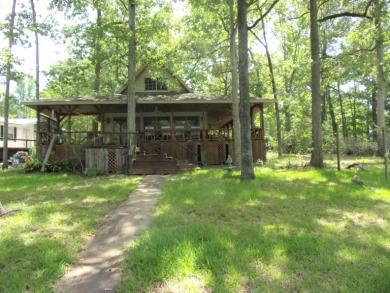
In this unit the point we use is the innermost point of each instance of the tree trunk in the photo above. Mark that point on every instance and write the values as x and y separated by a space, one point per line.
316 155
36 34
98 51
235 98
331 110
7 86
374 119
342 112
380 77
353 110
287 118
247 170
274 92
287 86
131 102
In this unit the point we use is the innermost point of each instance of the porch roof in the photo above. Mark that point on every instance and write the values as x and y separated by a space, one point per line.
92 105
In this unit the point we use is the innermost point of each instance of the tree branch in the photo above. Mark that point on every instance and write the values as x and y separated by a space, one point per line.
264 15
257 38
350 53
124 5
349 14
298 17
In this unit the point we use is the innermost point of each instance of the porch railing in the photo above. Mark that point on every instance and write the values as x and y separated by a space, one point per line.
116 139
18 143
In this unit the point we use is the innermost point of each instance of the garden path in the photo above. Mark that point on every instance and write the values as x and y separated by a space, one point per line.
98 269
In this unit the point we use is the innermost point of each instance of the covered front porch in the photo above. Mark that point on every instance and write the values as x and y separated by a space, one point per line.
175 130
108 152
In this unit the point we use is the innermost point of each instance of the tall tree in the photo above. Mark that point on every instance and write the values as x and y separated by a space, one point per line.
98 50
10 36
247 170
380 76
131 102
316 155
234 75
36 36
274 89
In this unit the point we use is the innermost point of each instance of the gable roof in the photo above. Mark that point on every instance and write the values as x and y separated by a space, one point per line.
182 100
168 73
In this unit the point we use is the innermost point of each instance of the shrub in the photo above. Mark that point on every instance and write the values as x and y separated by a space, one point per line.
32 166
52 166
355 147
57 166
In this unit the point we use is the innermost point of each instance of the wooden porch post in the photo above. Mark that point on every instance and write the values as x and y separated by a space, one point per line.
103 126
38 131
141 120
69 127
261 116
252 120
204 138
262 134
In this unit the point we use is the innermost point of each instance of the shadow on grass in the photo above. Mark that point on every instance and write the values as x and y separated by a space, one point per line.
58 213
27 265
284 232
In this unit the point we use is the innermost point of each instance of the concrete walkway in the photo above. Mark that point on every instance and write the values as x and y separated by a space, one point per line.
98 270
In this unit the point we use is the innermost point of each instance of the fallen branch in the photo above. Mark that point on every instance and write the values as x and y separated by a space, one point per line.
10 212
356 180
361 166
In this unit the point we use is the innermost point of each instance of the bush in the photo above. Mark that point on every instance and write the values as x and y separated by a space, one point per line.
32 166
52 166
354 147
57 166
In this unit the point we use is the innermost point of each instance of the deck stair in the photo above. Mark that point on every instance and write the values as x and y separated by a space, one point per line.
157 164
186 165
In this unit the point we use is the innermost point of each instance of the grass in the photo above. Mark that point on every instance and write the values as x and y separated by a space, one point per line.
299 230
58 214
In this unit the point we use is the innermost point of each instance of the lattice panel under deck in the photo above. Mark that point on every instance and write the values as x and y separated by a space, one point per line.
111 161
221 152
190 152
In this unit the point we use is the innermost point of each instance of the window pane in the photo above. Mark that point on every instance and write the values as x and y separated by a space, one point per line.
187 121
154 85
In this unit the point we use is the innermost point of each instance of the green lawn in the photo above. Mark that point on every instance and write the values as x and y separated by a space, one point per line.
290 230
58 213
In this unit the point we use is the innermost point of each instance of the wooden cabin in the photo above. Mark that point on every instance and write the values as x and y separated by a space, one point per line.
174 128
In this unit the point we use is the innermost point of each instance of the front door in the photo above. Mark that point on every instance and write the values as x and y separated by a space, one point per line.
120 129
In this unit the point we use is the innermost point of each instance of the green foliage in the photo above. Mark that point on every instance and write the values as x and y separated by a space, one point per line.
33 165
58 213
69 78
58 166
355 147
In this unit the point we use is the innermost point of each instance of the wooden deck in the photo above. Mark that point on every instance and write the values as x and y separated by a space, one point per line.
159 152
16 145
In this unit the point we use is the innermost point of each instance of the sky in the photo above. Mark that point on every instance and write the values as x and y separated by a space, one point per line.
50 52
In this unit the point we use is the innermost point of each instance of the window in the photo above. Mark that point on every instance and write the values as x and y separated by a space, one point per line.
187 121
11 132
157 122
154 85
